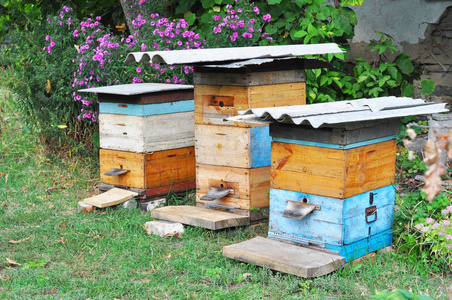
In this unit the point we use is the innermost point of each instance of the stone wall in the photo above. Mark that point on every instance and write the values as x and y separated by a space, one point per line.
420 28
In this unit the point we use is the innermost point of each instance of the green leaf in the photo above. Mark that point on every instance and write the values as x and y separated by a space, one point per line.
393 72
271 29
408 91
207 3
297 34
362 78
190 18
352 2
375 91
404 63
273 2
312 30
184 6
428 87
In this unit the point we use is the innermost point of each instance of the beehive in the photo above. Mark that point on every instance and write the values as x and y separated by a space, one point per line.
233 158
332 192
147 137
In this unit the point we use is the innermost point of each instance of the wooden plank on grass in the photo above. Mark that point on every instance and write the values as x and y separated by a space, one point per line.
110 198
284 257
200 217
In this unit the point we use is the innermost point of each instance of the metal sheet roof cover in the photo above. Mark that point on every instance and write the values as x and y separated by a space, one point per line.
137 88
212 55
324 114
308 63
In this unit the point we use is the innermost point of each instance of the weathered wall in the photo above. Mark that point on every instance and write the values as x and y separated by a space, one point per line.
421 28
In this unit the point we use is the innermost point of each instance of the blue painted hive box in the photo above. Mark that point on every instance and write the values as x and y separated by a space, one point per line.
332 190
145 117
147 137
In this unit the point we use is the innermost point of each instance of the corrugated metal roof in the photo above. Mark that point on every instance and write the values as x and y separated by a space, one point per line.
324 114
137 88
309 63
200 56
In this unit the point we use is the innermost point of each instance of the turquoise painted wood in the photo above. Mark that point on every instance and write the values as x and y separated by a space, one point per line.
334 146
338 222
364 246
143 110
260 147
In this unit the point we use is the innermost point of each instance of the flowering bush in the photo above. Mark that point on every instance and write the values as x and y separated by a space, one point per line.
39 73
422 229
436 235
238 25
100 60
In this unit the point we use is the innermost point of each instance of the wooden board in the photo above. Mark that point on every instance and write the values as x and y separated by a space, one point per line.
159 97
245 78
251 186
284 257
146 109
344 134
337 222
332 172
232 146
215 103
146 134
151 170
112 197
200 217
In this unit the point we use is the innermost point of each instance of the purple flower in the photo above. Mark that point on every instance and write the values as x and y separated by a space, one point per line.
216 18
47 37
256 10
267 17
446 222
429 220
138 70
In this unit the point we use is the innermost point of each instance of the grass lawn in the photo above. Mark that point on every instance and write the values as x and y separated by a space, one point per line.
49 251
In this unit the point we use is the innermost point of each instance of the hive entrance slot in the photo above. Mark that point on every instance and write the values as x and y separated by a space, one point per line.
116 172
298 210
216 193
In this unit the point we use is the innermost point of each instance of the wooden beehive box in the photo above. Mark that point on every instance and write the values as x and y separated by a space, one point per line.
332 181
147 137
232 146
158 172
221 91
352 227
232 158
250 186
146 122
226 149
338 162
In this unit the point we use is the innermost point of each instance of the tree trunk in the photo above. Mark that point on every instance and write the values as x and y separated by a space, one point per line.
131 10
